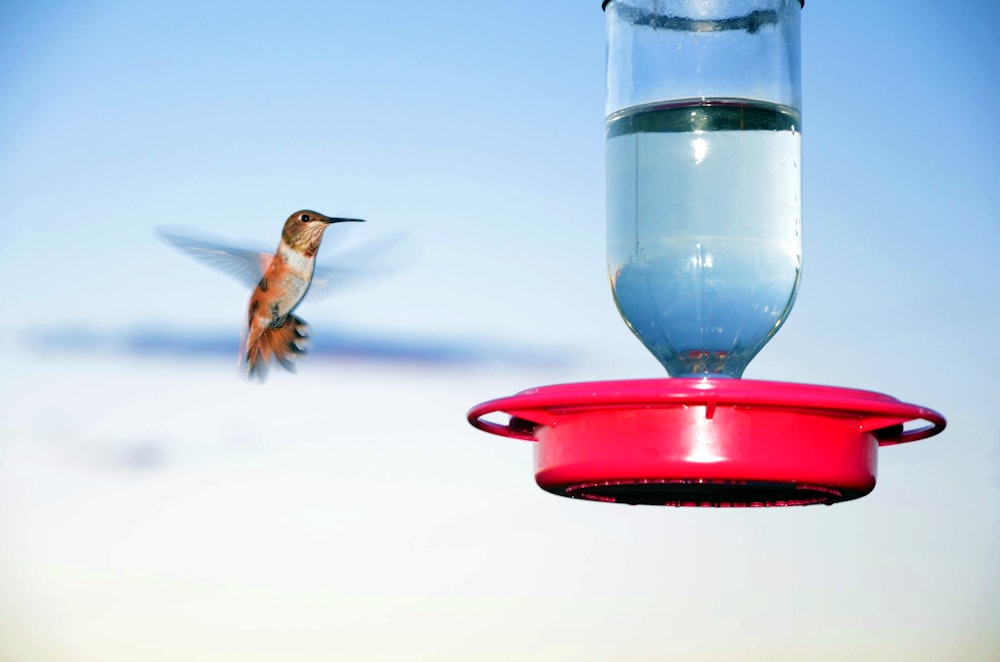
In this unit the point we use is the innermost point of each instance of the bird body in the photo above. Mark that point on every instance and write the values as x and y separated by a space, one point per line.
272 330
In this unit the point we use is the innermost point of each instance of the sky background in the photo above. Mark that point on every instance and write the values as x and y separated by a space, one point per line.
160 508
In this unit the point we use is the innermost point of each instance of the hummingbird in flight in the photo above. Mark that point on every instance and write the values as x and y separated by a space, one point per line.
280 281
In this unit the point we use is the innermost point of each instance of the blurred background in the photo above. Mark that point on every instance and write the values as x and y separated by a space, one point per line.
155 506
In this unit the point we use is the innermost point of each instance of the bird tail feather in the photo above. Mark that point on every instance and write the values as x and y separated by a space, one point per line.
283 343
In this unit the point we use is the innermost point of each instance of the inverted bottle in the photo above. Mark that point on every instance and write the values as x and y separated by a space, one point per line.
703 177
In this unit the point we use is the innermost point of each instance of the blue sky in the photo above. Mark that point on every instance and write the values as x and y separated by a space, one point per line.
349 511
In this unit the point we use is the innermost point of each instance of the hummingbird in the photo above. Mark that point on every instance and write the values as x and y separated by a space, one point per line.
280 281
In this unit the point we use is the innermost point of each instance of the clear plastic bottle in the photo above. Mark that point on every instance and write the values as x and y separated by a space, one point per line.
703 147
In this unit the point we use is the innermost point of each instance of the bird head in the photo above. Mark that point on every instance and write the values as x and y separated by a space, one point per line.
304 230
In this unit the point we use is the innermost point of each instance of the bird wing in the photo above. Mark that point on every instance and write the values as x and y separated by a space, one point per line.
354 267
246 265
357 266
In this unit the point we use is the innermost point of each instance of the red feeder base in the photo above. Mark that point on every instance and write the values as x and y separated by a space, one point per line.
706 442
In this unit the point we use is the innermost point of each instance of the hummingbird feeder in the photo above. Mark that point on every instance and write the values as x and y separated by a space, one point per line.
703 175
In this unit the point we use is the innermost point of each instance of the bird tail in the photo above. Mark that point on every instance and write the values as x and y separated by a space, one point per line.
283 343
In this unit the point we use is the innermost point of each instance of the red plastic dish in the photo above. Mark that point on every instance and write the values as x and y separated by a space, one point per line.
706 442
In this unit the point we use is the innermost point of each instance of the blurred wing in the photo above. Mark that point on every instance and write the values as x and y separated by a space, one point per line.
246 265
359 266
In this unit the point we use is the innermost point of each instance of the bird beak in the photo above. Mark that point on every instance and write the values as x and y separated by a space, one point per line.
345 220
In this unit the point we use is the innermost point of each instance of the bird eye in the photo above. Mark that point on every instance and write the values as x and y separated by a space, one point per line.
305 218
